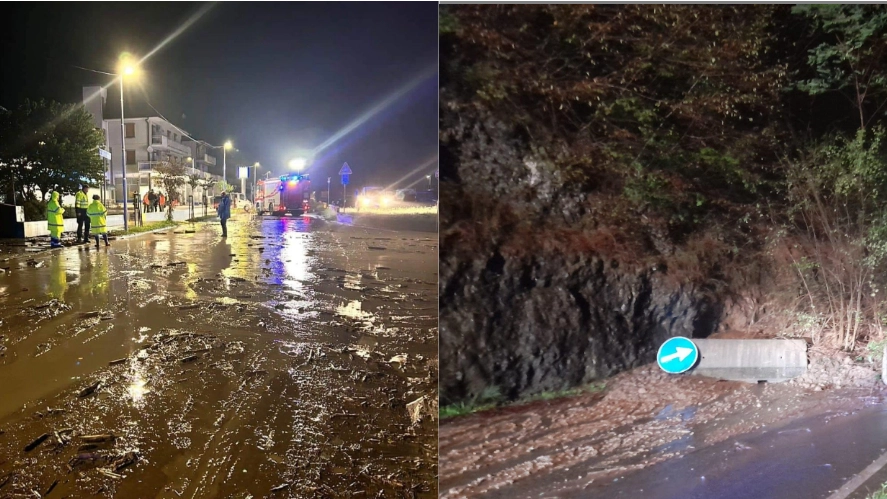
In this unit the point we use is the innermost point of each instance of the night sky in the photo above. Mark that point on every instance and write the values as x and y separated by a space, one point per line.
277 79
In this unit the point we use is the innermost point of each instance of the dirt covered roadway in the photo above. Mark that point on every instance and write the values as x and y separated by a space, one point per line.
297 358
613 443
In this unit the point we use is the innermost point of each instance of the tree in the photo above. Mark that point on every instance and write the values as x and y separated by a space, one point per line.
194 181
851 54
207 184
172 176
46 145
672 110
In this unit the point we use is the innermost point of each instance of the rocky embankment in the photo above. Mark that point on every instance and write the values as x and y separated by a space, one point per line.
516 326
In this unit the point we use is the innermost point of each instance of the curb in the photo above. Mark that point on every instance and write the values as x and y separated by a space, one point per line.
116 238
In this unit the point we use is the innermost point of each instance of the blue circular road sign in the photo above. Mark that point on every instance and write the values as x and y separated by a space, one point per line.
677 355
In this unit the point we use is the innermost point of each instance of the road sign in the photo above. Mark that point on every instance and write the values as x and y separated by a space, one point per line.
105 154
344 179
677 355
242 172
345 170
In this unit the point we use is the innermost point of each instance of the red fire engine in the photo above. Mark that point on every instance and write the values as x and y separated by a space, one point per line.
287 194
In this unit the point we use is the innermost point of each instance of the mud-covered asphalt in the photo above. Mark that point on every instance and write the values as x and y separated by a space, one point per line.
297 358
654 435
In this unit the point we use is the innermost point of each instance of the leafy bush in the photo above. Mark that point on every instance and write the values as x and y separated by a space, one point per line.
838 209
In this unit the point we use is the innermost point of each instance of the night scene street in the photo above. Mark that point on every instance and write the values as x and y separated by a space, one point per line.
232 291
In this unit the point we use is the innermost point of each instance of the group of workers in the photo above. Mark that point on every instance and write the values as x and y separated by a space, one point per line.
91 217
152 201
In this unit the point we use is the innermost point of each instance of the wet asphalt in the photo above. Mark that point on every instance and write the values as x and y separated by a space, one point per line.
296 358
808 458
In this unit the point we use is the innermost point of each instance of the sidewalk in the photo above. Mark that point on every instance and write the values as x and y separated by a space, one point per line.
16 247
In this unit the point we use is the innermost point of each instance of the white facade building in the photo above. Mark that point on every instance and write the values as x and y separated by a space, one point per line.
149 141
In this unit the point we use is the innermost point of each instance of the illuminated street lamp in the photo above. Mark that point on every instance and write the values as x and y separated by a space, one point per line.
297 164
126 68
429 181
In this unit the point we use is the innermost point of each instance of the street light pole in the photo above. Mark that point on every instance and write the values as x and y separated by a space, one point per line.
328 189
255 180
123 156
224 164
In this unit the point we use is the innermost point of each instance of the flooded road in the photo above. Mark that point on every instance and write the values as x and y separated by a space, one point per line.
807 459
654 435
296 358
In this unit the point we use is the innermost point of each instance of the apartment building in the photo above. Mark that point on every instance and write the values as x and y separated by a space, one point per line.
148 141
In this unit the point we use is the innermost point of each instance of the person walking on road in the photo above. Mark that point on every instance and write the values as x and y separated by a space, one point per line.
81 202
145 202
161 201
55 220
224 212
98 215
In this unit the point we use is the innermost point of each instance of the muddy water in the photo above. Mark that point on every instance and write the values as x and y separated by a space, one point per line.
294 359
649 434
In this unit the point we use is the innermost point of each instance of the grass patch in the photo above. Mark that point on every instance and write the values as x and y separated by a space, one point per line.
491 399
144 228
879 494
202 219
464 408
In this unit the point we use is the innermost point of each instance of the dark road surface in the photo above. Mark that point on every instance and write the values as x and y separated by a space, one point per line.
806 459
810 458
277 363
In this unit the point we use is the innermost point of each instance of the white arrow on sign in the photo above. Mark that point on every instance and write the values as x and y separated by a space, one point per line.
680 354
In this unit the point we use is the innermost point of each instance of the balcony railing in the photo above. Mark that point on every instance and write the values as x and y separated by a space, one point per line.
210 160
162 142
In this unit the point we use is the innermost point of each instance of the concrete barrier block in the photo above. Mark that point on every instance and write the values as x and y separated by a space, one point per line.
751 360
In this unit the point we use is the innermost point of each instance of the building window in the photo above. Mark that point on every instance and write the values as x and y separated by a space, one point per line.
168 134
130 130
130 157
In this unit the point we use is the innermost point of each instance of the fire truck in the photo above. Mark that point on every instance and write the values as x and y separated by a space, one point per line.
287 194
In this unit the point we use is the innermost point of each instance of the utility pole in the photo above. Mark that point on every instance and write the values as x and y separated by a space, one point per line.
123 157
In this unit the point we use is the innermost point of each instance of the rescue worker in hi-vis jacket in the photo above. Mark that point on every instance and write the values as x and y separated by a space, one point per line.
98 217
81 202
54 220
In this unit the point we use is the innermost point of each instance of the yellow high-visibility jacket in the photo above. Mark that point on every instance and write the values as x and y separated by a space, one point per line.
97 217
54 219
81 201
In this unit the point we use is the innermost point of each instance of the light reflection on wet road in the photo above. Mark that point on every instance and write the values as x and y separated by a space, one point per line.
284 356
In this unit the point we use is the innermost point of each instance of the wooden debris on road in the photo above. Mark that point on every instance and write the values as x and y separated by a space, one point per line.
89 390
39 440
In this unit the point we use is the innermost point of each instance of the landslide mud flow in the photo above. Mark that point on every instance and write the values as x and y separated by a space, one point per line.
660 436
294 359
